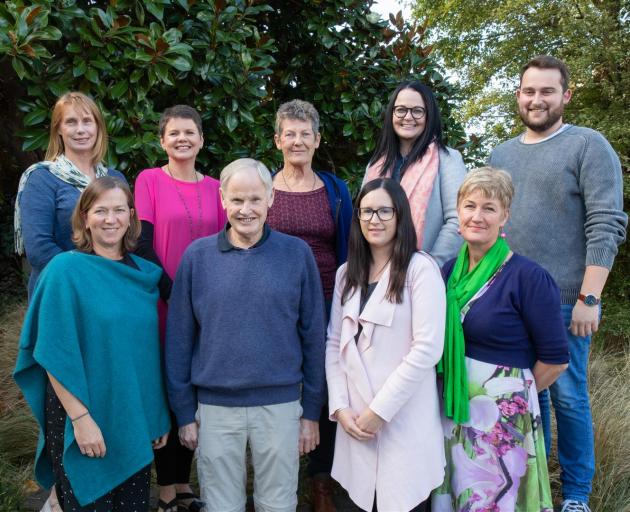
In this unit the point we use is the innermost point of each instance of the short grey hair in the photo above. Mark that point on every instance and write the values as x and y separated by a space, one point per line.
246 163
492 183
297 109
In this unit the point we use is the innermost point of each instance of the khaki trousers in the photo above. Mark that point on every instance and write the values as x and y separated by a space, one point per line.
272 432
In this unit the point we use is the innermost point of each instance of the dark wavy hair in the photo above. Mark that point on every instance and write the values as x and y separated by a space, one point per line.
360 256
388 146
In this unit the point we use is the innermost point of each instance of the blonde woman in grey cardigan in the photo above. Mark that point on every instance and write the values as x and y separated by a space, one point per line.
411 151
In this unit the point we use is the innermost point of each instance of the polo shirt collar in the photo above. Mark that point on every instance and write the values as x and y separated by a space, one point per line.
225 245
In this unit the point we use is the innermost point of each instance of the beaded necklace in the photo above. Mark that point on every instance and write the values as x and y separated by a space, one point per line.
183 201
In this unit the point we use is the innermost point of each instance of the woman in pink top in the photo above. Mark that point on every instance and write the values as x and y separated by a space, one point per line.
176 204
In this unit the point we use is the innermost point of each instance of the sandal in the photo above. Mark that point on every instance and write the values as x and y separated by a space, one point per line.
171 506
195 505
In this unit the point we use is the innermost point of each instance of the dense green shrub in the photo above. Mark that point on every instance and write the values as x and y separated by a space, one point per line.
235 61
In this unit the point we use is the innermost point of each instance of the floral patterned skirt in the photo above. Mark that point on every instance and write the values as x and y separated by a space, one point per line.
496 461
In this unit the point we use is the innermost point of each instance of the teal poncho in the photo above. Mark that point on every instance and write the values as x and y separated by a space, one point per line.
92 324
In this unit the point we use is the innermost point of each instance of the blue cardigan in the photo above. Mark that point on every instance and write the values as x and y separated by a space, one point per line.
47 205
341 208
92 324
518 320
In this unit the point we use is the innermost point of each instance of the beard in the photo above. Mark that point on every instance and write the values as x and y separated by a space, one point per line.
541 125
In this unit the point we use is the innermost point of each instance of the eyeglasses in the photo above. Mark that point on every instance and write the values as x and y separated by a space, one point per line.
416 112
384 213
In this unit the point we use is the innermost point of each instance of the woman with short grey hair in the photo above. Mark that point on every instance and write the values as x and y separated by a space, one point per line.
316 207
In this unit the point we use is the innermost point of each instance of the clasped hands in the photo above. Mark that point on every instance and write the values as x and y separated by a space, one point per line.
362 427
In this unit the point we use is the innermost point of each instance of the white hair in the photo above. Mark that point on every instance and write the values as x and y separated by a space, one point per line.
247 163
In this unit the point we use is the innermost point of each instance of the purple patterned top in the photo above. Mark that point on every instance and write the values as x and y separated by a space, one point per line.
307 215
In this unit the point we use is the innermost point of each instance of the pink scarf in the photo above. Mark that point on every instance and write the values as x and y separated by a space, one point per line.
417 182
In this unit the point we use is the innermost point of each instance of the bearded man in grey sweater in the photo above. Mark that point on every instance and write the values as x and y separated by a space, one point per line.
567 215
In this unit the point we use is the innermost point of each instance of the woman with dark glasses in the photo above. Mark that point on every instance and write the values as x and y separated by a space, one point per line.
385 336
411 151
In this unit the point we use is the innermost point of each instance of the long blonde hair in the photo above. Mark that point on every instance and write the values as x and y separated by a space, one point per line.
81 102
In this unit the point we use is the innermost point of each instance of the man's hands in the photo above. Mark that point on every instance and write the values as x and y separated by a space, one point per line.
309 435
189 435
584 319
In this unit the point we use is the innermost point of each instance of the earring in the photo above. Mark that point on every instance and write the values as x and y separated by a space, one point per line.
459 231
501 232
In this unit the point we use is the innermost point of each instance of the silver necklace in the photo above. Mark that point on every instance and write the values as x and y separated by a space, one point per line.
197 231
287 185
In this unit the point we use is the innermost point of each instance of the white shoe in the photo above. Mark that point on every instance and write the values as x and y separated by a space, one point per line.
574 506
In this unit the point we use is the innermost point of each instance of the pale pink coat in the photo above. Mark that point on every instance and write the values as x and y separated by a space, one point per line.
391 370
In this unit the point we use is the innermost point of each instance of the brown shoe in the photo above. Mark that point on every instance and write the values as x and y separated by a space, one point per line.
321 494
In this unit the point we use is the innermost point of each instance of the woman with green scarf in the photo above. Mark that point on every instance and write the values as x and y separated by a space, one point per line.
504 341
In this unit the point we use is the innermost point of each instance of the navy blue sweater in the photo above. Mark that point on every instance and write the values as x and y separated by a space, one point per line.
518 321
246 327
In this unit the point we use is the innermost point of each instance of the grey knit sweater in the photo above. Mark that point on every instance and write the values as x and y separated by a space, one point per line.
567 210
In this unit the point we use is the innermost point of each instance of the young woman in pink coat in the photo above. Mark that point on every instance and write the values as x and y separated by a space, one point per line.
385 336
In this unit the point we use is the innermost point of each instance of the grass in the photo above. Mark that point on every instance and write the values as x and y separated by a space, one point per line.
609 375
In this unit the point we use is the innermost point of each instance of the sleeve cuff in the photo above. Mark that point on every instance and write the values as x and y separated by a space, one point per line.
311 409
601 257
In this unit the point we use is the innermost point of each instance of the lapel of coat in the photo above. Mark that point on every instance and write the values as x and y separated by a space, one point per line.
377 311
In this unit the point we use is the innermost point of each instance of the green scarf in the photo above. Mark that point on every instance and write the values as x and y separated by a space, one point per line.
461 287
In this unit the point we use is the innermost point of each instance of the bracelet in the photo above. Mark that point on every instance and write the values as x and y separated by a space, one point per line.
79 416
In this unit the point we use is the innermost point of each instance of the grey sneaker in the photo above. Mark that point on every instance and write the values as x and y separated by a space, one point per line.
574 506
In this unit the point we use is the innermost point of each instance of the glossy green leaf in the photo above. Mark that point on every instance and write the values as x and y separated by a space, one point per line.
39 141
154 8
49 34
35 117
18 67
180 63
92 75
119 89
231 121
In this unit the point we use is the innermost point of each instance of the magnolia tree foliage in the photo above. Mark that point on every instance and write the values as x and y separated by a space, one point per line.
235 61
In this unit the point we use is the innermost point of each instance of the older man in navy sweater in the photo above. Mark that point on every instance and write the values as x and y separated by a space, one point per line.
245 344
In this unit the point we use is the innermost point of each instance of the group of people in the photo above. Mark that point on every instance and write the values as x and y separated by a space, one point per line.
407 342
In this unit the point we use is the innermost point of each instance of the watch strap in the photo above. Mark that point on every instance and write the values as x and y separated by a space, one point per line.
589 299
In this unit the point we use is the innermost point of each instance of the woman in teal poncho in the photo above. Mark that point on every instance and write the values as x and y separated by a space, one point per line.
89 362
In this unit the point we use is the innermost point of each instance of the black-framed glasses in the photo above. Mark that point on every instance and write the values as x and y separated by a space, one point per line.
384 213
416 112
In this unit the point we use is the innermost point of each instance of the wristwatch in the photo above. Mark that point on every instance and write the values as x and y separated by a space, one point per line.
589 300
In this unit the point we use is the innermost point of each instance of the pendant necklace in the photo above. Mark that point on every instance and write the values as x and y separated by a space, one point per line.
199 226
